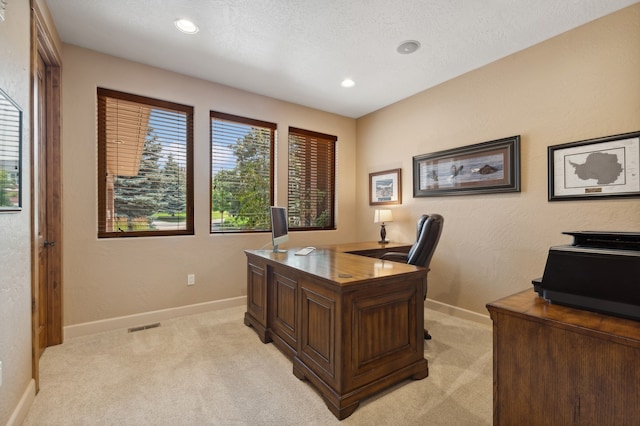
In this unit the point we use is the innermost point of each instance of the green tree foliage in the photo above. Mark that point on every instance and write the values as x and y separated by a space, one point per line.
5 183
245 190
222 199
174 198
141 195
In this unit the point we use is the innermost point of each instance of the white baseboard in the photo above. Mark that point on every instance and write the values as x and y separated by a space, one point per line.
145 318
22 409
457 312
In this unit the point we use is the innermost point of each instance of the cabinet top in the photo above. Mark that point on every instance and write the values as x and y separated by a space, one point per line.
529 306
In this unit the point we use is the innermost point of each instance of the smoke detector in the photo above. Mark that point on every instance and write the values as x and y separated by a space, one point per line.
408 47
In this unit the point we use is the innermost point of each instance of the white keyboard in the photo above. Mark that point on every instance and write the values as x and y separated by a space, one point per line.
305 251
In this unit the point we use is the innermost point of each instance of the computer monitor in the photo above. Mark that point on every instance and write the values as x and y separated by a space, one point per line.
279 228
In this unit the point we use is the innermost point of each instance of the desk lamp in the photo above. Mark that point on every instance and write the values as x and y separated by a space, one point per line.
382 216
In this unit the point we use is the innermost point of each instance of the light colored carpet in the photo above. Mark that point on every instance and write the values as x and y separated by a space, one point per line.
211 369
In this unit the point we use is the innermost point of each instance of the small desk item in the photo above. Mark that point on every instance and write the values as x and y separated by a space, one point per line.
352 325
305 251
557 365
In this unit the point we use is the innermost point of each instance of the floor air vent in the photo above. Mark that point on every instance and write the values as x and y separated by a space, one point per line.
144 327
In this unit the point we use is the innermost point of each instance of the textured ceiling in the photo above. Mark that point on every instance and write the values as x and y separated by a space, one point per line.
300 50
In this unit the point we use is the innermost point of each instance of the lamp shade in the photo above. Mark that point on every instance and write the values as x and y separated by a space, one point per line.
383 216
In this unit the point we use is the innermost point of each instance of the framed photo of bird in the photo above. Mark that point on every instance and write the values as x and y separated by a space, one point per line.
481 168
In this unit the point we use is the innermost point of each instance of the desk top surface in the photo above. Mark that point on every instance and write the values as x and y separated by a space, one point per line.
333 263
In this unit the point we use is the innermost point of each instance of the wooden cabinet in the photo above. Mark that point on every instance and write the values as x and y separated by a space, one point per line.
555 365
283 313
352 325
256 315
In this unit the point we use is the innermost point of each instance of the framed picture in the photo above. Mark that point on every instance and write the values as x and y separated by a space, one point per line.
482 168
595 168
385 187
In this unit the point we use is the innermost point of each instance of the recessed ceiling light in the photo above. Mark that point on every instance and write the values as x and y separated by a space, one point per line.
347 82
186 26
408 46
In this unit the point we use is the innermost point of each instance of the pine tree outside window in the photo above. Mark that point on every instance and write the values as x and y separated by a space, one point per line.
242 164
145 162
311 186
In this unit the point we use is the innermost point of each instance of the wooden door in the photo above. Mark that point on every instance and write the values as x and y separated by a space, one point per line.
40 206
46 192
47 208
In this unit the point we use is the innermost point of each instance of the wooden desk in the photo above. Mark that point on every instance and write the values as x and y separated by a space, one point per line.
555 365
353 325
369 249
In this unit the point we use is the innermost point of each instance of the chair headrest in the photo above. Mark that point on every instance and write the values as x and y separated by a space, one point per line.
429 229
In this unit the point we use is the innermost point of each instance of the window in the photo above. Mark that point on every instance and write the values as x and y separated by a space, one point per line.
311 180
145 166
242 164
10 154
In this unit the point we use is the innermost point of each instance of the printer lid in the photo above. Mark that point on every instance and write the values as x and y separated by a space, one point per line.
606 239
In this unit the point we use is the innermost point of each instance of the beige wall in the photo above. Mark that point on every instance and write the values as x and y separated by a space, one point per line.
107 278
15 251
580 85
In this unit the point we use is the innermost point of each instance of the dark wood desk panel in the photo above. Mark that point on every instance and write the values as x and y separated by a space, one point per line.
353 325
369 249
555 365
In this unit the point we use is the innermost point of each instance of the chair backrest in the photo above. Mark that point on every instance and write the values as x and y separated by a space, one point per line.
427 237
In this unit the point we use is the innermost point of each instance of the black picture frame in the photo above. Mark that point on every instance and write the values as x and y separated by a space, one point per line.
483 168
605 167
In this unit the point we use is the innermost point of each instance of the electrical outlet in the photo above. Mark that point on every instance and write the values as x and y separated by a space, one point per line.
191 279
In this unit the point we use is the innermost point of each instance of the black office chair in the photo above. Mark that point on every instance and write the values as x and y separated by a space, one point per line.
427 236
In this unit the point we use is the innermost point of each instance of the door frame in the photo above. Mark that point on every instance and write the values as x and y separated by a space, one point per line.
43 44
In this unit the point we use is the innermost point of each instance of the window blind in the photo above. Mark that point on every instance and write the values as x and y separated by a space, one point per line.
145 163
311 186
10 153
242 163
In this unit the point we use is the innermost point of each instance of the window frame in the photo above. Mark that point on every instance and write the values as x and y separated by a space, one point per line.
272 161
102 95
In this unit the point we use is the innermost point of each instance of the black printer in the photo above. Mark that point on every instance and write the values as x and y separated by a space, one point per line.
599 272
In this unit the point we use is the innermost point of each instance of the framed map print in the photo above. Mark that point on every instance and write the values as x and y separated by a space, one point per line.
595 168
